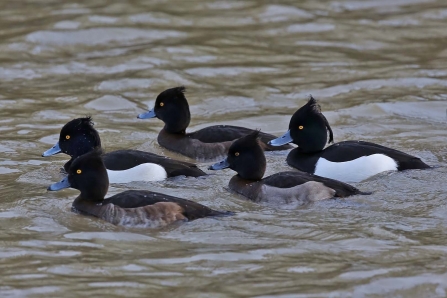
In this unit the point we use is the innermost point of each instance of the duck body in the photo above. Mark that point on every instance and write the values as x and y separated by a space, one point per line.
291 186
353 161
132 165
136 208
140 198
78 137
348 161
207 144
246 157
210 143
143 208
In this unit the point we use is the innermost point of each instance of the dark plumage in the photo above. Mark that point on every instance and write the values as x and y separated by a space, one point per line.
207 144
308 128
78 137
246 157
140 208
350 150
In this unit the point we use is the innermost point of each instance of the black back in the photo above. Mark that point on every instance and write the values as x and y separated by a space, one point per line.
171 106
126 159
224 133
350 150
88 174
246 157
78 137
140 198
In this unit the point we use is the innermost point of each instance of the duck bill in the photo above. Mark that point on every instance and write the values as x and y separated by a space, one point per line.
220 165
147 115
284 139
53 150
59 185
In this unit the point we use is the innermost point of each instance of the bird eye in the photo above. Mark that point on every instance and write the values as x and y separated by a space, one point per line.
236 154
78 171
67 137
300 127
161 104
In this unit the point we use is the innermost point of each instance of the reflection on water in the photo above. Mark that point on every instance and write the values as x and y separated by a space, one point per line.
378 68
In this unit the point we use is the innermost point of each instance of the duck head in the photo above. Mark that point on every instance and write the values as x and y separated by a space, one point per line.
172 108
77 137
308 128
87 174
246 157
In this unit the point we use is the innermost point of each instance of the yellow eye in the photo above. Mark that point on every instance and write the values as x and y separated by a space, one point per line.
161 104
78 171
300 127
236 154
67 137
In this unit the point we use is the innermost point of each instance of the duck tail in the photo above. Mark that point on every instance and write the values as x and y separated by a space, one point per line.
365 193
217 213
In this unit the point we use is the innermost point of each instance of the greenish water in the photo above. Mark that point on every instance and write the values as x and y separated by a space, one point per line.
378 68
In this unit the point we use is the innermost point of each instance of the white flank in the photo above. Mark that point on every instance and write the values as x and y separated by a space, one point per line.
143 172
355 170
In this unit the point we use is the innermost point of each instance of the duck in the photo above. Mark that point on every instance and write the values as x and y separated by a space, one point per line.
348 161
78 137
207 144
134 208
246 157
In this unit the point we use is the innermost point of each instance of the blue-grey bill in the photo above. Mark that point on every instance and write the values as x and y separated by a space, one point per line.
53 150
220 165
147 115
284 139
60 185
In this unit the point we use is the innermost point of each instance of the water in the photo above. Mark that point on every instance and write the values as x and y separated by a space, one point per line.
378 68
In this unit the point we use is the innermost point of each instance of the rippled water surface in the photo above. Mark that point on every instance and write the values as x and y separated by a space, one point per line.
378 68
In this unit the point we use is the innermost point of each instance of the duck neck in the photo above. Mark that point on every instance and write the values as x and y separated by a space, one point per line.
245 180
178 130
179 123
86 206
307 151
95 189
248 188
253 167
